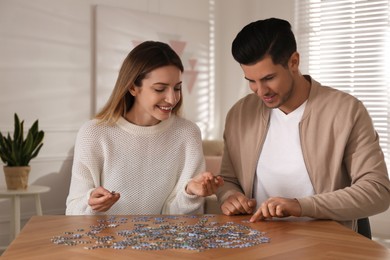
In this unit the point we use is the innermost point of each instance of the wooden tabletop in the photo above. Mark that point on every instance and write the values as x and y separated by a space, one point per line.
289 239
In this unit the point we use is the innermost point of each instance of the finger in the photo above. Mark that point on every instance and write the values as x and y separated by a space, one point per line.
233 206
205 189
279 211
114 198
107 204
209 189
209 186
213 186
98 208
100 200
264 210
207 176
100 192
97 193
252 203
227 210
257 216
103 208
271 209
111 202
95 205
220 181
117 196
239 208
245 205
240 202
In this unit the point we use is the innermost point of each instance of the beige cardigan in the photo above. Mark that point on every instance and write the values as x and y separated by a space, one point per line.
340 149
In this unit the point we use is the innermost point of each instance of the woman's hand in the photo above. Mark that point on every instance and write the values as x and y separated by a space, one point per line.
204 184
102 200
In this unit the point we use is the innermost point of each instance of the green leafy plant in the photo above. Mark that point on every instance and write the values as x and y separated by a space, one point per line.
18 151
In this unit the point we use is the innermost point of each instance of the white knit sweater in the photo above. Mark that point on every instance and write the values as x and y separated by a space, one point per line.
148 166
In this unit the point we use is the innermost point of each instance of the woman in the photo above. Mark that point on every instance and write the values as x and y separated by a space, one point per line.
138 156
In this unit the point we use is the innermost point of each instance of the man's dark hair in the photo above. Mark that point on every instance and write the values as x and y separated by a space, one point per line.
271 36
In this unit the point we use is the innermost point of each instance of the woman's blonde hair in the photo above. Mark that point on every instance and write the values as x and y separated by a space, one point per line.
143 59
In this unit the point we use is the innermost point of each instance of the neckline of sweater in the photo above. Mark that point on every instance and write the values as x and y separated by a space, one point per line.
145 130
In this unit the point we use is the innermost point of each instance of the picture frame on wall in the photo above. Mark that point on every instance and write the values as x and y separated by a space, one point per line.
116 31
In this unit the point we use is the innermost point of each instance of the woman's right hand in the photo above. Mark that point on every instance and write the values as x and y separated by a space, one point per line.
204 184
102 200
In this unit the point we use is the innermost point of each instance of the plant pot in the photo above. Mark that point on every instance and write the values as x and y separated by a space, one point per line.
16 177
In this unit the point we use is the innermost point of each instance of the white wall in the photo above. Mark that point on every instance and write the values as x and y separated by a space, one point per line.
231 16
45 73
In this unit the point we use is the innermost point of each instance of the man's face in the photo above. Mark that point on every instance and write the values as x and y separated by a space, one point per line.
274 84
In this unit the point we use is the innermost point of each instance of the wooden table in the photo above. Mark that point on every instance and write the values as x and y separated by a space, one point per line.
292 239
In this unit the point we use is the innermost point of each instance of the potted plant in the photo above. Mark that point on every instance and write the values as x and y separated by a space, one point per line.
17 152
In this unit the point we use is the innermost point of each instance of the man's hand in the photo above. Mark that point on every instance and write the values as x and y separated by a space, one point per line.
277 207
205 184
102 200
238 203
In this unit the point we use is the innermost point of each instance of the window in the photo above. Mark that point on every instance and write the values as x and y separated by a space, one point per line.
345 44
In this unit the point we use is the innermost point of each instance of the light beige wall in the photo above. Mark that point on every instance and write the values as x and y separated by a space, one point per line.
231 16
45 74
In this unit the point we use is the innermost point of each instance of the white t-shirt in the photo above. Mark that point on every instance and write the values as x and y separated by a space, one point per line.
281 170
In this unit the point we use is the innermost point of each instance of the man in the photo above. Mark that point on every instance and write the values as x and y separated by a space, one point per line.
295 147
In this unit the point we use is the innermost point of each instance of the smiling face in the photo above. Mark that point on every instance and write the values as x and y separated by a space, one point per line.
158 95
275 84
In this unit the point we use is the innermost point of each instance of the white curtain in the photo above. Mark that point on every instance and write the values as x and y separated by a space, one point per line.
345 44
